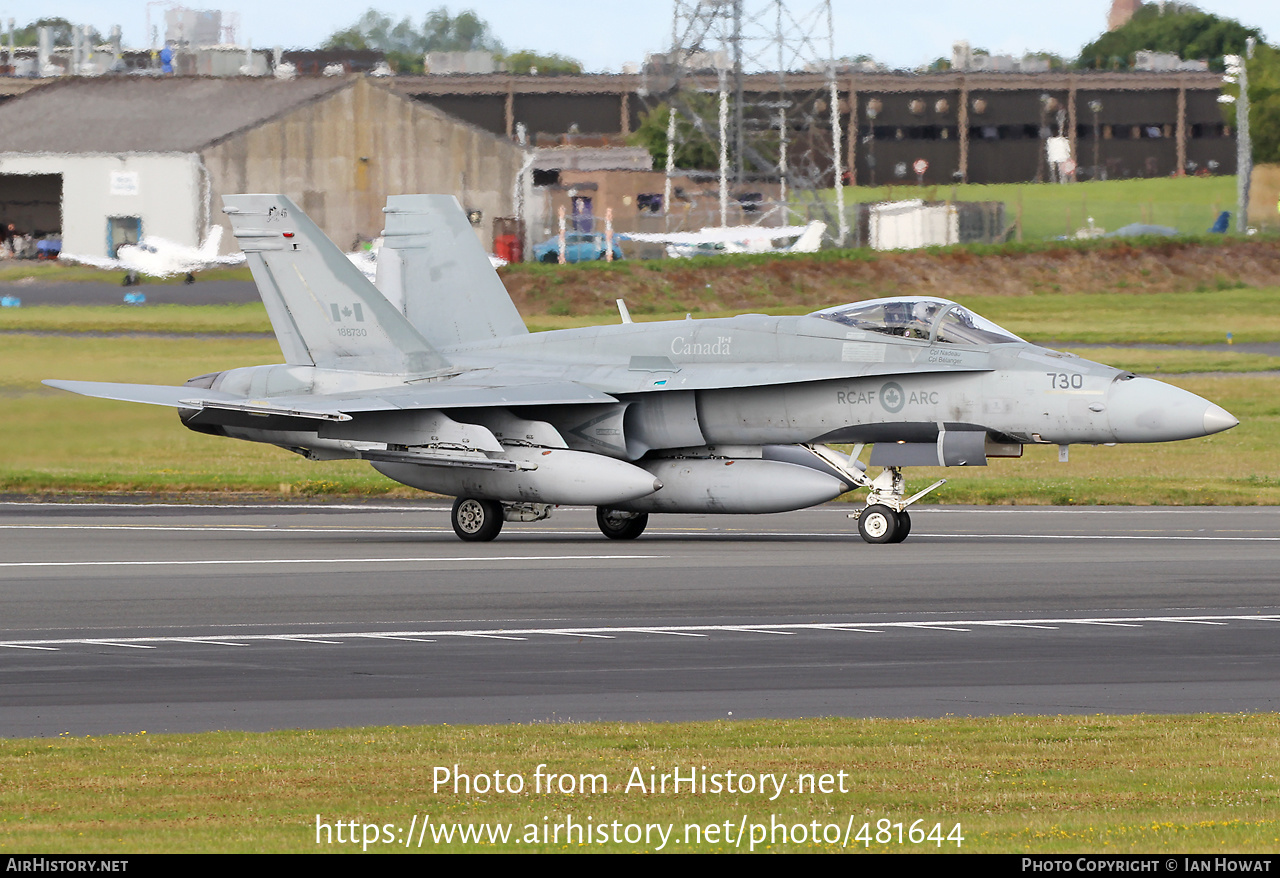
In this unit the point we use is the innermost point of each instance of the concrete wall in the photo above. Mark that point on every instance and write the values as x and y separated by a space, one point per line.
168 195
340 157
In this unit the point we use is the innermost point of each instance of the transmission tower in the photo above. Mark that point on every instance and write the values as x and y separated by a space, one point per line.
776 115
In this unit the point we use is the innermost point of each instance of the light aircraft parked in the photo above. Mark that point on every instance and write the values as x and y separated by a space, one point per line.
445 390
159 257
716 240
366 259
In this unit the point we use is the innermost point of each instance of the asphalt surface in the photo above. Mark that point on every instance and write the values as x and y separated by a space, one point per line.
122 618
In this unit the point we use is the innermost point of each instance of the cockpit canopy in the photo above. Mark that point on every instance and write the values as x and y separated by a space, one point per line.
921 317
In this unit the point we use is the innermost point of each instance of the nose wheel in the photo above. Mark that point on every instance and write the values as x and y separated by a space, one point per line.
886 520
880 524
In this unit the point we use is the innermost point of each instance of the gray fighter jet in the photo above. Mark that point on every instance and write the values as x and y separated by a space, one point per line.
433 377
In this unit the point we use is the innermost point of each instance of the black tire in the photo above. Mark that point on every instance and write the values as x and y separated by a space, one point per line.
878 524
549 258
904 527
619 525
476 521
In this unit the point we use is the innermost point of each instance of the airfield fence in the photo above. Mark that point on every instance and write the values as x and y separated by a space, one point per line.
991 213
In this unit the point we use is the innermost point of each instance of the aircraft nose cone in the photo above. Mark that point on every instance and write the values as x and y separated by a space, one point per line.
1217 419
1145 410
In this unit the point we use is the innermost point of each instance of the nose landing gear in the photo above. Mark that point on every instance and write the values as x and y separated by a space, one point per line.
885 519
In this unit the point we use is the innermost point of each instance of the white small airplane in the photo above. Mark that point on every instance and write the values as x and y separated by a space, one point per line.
366 259
715 240
159 257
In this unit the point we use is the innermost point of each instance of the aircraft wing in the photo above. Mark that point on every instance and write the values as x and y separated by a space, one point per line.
229 259
718 235
461 392
104 262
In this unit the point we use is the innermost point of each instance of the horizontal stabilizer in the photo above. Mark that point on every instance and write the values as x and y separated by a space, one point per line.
151 394
188 397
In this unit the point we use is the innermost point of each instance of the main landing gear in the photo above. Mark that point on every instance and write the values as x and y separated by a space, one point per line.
476 521
885 519
619 525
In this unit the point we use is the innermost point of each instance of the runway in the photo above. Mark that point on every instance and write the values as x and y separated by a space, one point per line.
129 617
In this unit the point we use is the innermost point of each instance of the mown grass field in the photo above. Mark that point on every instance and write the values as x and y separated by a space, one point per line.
1188 204
1246 314
1193 784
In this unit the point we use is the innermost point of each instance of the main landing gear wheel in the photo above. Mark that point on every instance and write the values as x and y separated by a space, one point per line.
880 524
619 525
476 521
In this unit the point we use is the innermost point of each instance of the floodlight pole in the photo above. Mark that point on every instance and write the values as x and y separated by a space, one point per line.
671 165
1244 145
724 152
1096 107
782 156
837 166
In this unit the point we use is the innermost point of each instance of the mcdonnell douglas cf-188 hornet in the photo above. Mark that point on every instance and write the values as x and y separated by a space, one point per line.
439 384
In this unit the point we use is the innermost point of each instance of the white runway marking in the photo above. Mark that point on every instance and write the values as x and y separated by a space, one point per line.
1159 537
207 642
612 632
278 530
346 507
184 562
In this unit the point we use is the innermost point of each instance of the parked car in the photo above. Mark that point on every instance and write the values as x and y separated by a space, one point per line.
578 247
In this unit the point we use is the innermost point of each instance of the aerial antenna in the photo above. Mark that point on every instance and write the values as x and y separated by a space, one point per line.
790 134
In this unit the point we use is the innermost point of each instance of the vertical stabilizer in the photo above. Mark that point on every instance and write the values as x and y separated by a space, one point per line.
433 268
212 241
323 310
810 240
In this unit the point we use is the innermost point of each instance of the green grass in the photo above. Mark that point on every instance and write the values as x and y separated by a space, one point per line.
1205 317
1189 204
58 441
177 319
1179 362
1063 784
26 271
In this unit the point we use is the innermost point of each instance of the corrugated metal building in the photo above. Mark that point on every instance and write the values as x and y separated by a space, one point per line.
107 160
979 127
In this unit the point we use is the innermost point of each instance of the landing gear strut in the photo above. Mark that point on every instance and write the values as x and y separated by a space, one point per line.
886 520
619 525
476 521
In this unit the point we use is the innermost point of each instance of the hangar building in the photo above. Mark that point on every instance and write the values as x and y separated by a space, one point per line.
105 161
